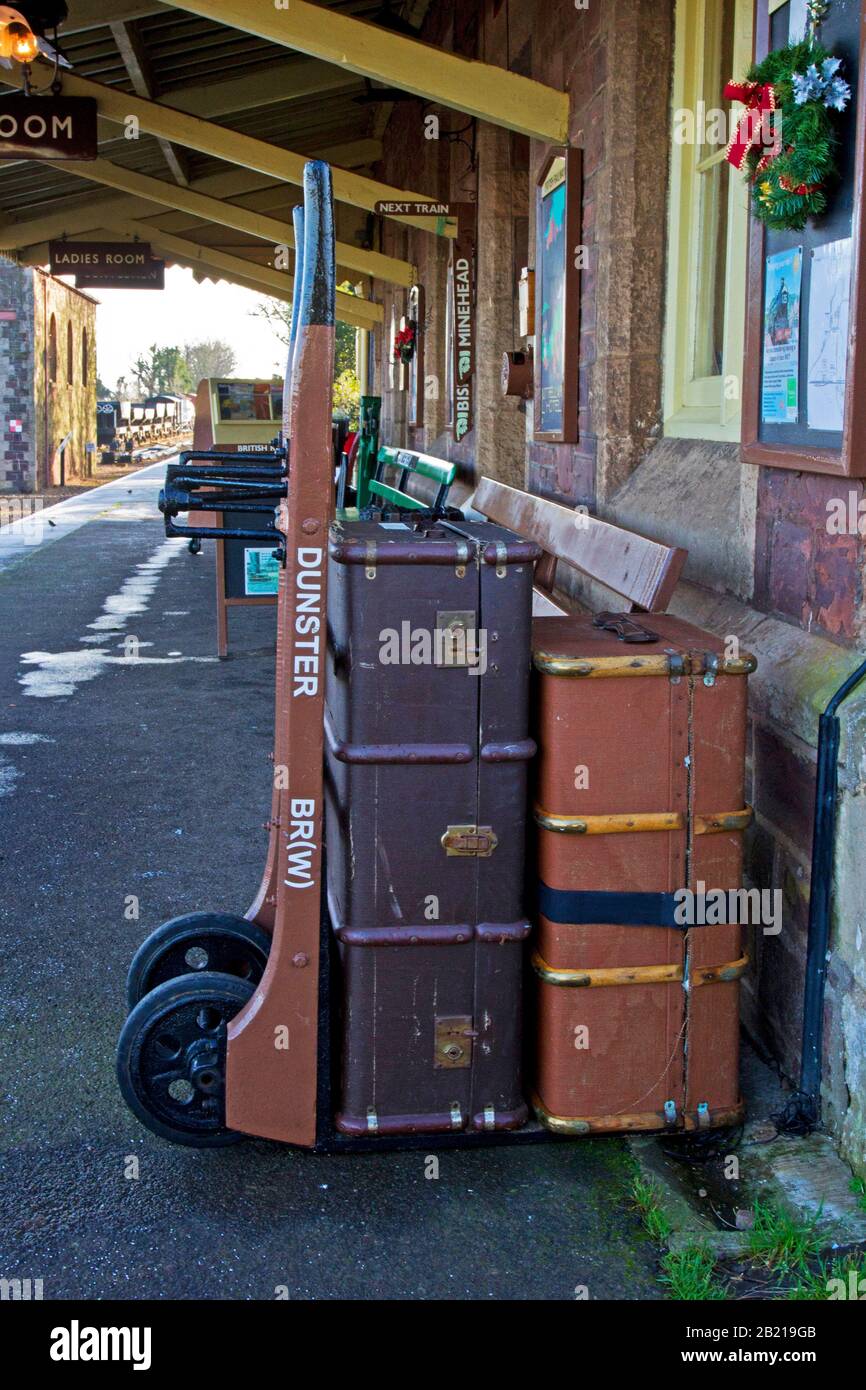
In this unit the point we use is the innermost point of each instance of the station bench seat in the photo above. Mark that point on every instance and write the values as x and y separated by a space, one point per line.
643 571
405 465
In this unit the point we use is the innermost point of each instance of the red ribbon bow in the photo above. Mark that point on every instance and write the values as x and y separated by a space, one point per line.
755 127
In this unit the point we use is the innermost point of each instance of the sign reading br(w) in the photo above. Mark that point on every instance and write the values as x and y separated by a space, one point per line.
48 127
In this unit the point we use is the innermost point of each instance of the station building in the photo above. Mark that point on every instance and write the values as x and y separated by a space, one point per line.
665 388
47 380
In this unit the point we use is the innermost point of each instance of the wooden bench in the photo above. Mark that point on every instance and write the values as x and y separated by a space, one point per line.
643 571
407 464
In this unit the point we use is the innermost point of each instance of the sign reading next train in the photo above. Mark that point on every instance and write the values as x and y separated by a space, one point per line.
107 264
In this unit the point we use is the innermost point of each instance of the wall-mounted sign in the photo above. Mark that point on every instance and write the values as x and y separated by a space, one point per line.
149 276
558 258
47 127
413 208
97 257
462 323
108 265
16 426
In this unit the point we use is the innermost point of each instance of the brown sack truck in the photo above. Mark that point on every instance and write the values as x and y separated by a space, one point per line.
640 793
426 786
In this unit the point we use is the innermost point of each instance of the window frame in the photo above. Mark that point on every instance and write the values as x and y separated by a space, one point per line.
701 407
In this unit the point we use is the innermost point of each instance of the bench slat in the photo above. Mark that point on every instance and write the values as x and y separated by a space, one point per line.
641 570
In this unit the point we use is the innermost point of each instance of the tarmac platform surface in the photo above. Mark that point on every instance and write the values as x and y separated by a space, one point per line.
133 764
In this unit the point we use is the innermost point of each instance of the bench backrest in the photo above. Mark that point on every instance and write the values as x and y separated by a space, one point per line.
641 570
407 464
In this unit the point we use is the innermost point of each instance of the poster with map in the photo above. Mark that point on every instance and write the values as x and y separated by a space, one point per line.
829 308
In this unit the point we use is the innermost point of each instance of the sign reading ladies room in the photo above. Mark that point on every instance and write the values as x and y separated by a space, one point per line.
121 265
47 127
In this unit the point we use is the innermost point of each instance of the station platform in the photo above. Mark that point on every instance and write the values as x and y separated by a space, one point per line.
134 783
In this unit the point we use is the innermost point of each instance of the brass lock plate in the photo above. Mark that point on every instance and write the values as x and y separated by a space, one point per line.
469 841
456 638
453 1041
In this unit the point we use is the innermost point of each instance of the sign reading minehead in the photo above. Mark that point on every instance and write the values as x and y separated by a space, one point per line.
113 265
47 127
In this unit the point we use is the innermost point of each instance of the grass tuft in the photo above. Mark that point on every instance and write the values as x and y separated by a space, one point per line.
781 1241
690 1274
646 1196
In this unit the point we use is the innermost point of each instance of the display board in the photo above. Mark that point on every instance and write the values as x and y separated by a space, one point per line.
557 298
801 369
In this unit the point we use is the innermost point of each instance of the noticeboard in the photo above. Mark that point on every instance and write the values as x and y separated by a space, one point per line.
804 291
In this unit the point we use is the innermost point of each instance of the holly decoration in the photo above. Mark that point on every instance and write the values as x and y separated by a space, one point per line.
786 141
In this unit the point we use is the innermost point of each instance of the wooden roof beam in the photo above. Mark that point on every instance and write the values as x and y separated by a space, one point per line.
234 148
478 89
135 60
256 224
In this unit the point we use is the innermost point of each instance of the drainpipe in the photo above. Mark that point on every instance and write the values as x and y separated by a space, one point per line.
61 449
808 1100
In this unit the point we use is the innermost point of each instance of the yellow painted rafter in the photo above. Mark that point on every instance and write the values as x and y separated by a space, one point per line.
478 89
256 224
235 148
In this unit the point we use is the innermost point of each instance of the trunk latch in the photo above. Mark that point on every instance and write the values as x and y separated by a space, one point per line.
469 841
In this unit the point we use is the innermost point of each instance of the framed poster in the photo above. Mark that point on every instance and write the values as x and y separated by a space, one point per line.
557 295
781 358
261 571
827 431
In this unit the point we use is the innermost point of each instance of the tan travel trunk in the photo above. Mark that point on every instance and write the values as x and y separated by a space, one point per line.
640 793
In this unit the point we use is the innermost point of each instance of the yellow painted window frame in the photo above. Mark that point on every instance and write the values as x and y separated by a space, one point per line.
702 408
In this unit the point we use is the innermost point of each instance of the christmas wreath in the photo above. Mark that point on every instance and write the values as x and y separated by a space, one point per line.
786 140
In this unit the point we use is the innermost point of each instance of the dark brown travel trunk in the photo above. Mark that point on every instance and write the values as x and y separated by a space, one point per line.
426 792
640 792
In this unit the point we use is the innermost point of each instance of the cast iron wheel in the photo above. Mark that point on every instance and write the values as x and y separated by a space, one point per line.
194 943
171 1058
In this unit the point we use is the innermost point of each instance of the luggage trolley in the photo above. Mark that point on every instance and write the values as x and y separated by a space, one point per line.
233 1021
378 1004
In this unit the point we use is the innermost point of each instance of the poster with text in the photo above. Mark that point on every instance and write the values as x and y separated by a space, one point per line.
261 572
829 308
781 365
552 252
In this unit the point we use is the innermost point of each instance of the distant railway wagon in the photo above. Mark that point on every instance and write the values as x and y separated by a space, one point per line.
122 426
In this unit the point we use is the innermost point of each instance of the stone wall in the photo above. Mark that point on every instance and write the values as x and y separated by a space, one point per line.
67 405
17 472
762 565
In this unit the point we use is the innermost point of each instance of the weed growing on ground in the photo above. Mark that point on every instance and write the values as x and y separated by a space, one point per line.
780 1241
646 1195
690 1274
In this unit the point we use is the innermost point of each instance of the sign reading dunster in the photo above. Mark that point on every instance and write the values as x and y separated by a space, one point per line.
47 127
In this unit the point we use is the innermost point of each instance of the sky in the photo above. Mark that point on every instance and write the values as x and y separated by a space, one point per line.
128 321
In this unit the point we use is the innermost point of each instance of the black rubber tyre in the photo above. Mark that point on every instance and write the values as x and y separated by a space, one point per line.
197 942
171 1058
